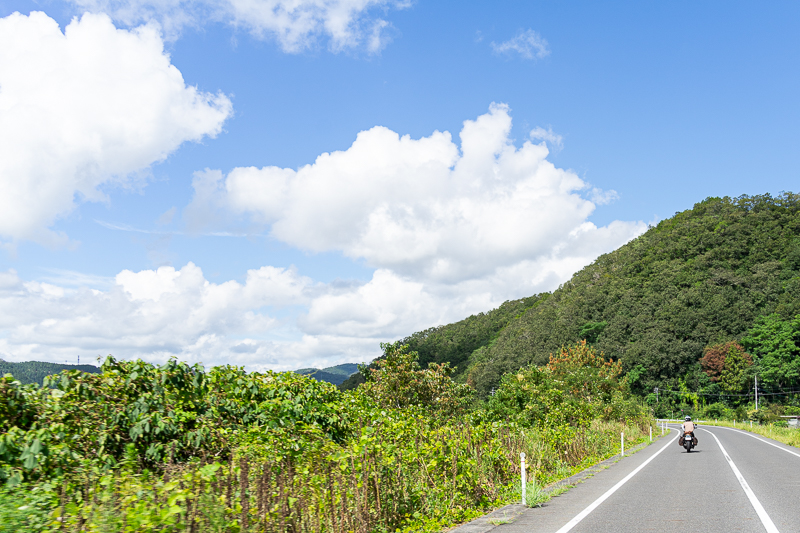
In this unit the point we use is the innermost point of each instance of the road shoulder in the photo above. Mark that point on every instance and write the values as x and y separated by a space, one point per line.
509 514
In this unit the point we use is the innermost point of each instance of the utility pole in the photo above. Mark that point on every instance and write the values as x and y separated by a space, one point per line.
756 387
656 389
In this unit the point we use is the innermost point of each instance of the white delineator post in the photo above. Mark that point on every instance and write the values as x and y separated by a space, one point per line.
622 444
522 475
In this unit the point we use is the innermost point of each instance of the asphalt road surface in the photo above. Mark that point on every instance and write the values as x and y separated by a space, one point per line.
756 488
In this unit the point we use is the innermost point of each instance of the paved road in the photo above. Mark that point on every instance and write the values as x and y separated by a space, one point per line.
677 491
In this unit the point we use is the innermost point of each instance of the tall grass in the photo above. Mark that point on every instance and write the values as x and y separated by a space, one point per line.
790 436
386 480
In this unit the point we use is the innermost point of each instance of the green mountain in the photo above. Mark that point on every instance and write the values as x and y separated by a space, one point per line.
36 371
455 343
699 278
333 374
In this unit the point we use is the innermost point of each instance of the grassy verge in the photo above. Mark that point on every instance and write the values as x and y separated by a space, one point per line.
604 445
789 436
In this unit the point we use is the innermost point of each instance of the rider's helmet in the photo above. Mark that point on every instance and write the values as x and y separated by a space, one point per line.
688 418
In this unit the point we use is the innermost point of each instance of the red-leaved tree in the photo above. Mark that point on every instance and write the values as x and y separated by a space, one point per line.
714 358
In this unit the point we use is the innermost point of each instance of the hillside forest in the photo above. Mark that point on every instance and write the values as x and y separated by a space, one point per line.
697 306
35 371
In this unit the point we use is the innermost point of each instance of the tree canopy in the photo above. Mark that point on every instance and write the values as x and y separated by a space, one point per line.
700 278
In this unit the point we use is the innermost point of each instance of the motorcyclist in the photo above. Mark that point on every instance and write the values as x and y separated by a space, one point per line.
688 428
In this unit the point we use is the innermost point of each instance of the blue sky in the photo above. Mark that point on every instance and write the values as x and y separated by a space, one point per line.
629 111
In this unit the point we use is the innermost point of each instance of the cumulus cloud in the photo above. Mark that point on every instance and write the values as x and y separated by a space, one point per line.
153 314
425 209
452 229
295 24
275 319
528 44
91 106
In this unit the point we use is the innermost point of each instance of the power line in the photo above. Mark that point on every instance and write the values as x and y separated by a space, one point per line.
782 393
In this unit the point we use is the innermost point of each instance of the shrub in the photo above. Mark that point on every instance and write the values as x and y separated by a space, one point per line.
398 381
577 386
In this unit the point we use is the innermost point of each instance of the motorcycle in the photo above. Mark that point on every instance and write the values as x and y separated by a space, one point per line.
688 441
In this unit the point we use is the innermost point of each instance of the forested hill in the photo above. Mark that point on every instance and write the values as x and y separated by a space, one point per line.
455 343
699 278
36 371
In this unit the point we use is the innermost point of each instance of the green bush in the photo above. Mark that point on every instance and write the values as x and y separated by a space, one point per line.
576 387
167 413
398 381
27 509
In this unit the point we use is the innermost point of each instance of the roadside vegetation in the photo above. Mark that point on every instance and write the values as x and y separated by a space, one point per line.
178 448
786 435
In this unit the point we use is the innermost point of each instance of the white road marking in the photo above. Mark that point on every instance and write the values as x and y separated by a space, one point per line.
583 514
762 514
758 438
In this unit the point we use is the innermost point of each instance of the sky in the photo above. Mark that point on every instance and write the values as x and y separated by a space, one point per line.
280 184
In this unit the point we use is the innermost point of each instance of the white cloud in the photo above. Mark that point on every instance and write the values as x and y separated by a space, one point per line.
528 44
91 106
423 209
152 314
540 134
451 230
295 24
277 319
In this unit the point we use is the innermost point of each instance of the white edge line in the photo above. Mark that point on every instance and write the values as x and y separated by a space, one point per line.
757 438
762 514
583 514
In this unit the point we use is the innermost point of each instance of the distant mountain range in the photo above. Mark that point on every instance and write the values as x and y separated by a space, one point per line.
333 374
36 371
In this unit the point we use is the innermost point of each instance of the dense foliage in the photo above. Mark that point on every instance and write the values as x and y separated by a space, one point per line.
172 412
775 341
398 381
728 365
577 386
700 278
455 343
180 448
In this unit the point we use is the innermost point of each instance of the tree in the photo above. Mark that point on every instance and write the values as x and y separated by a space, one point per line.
585 372
713 360
728 365
399 381
577 386
775 342
735 374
